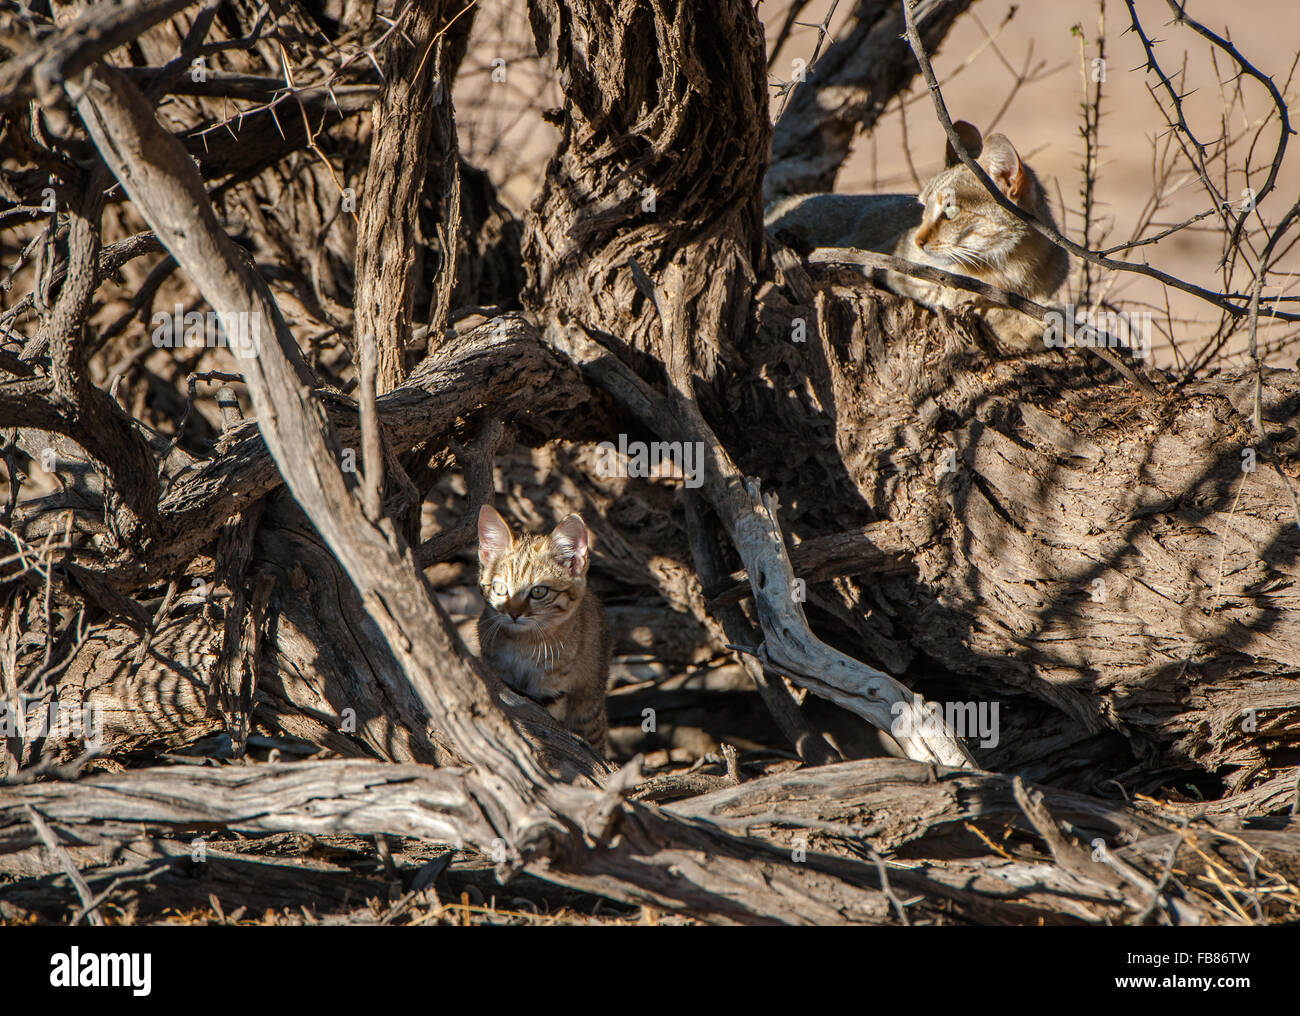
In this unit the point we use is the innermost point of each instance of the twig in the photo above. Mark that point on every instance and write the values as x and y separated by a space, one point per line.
885 888
90 904
870 259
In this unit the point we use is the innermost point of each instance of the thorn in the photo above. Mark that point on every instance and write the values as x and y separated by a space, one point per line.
271 110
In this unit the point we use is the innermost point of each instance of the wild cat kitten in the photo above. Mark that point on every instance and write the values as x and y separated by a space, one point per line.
953 224
542 631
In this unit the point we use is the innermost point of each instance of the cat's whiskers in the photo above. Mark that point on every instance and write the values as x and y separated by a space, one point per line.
972 258
545 650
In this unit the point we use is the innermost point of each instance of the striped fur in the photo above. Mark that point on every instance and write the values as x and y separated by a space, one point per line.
543 632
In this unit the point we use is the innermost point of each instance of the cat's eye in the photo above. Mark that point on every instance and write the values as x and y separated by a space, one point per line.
539 592
950 210
499 588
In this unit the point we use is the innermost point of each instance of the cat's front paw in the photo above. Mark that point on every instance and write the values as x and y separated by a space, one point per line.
1016 330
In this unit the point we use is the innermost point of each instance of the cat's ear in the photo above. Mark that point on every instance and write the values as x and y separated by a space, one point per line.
970 137
1003 164
494 536
572 544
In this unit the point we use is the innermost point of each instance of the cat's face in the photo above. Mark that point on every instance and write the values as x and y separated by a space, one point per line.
962 224
531 583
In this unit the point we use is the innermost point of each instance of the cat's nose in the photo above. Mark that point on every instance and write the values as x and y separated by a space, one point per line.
514 614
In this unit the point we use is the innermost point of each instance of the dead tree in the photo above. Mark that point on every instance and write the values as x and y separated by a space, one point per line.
1035 530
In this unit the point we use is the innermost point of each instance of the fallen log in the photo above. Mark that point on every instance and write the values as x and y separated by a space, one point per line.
958 845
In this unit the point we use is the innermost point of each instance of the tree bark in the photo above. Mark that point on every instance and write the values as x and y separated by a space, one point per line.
411 116
847 90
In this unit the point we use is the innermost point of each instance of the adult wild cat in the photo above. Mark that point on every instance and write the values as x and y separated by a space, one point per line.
953 224
543 632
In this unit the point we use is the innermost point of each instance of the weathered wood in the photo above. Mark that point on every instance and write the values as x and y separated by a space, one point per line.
549 828
416 93
41 69
620 190
1028 533
498 364
943 821
873 549
790 645
1088 549
866 65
